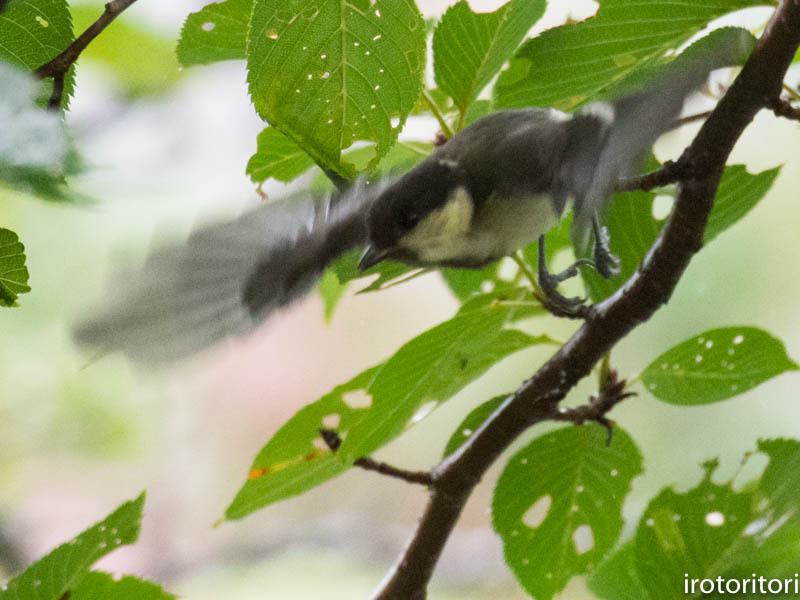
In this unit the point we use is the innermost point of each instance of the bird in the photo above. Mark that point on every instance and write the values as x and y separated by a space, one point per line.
495 187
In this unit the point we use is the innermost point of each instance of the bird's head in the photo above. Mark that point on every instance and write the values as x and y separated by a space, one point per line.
418 219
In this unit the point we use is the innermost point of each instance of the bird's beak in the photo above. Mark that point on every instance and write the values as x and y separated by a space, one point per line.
371 257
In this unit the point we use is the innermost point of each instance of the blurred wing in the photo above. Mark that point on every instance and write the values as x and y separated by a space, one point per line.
226 278
633 124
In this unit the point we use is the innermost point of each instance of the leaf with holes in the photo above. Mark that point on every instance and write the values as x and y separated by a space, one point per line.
558 503
278 157
328 74
296 458
435 365
716 365
104 586
711 531
13 272
64 568
469 48
737 194
216 32
33 33
471 422
691 533
570 65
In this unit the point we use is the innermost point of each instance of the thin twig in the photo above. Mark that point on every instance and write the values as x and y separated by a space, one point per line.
690 119
58 67
437 113
332 439
783 108
669 172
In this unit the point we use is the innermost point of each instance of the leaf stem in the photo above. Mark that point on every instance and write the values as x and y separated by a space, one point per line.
437 112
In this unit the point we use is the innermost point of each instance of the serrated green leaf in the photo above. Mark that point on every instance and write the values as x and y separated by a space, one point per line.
558 503
716 365
103 586
695 533
142 62
433 367
329 74
470 48
216 32
471 422
737 194
715 531
33 33
296 459
278 157
617 578
64 568
569 65
13 272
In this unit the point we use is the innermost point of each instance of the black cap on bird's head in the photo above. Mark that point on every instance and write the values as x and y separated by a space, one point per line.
404 205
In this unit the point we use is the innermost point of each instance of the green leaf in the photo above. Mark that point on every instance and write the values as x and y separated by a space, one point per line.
346 270
558 503
695 533
278 157
465 283
35 153
296 458
715 531
64 568
471 422
617 577
331 292
142 62
103 586
633 228
470 48
33 33
434 366
569 65
738 193
716 365
216 32
328 74
13 272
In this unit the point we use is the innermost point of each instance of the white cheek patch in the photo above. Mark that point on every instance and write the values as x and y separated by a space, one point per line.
444 231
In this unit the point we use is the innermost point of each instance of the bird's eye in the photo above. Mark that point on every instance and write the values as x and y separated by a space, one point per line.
409 220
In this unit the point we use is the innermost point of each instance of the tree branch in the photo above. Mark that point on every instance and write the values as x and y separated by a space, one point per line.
334 442
58 67
701 165
783 108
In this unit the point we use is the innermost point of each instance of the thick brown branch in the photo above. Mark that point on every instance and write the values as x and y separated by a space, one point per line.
701 166
58 67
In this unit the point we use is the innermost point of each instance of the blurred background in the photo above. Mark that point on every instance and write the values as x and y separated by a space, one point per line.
166 149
